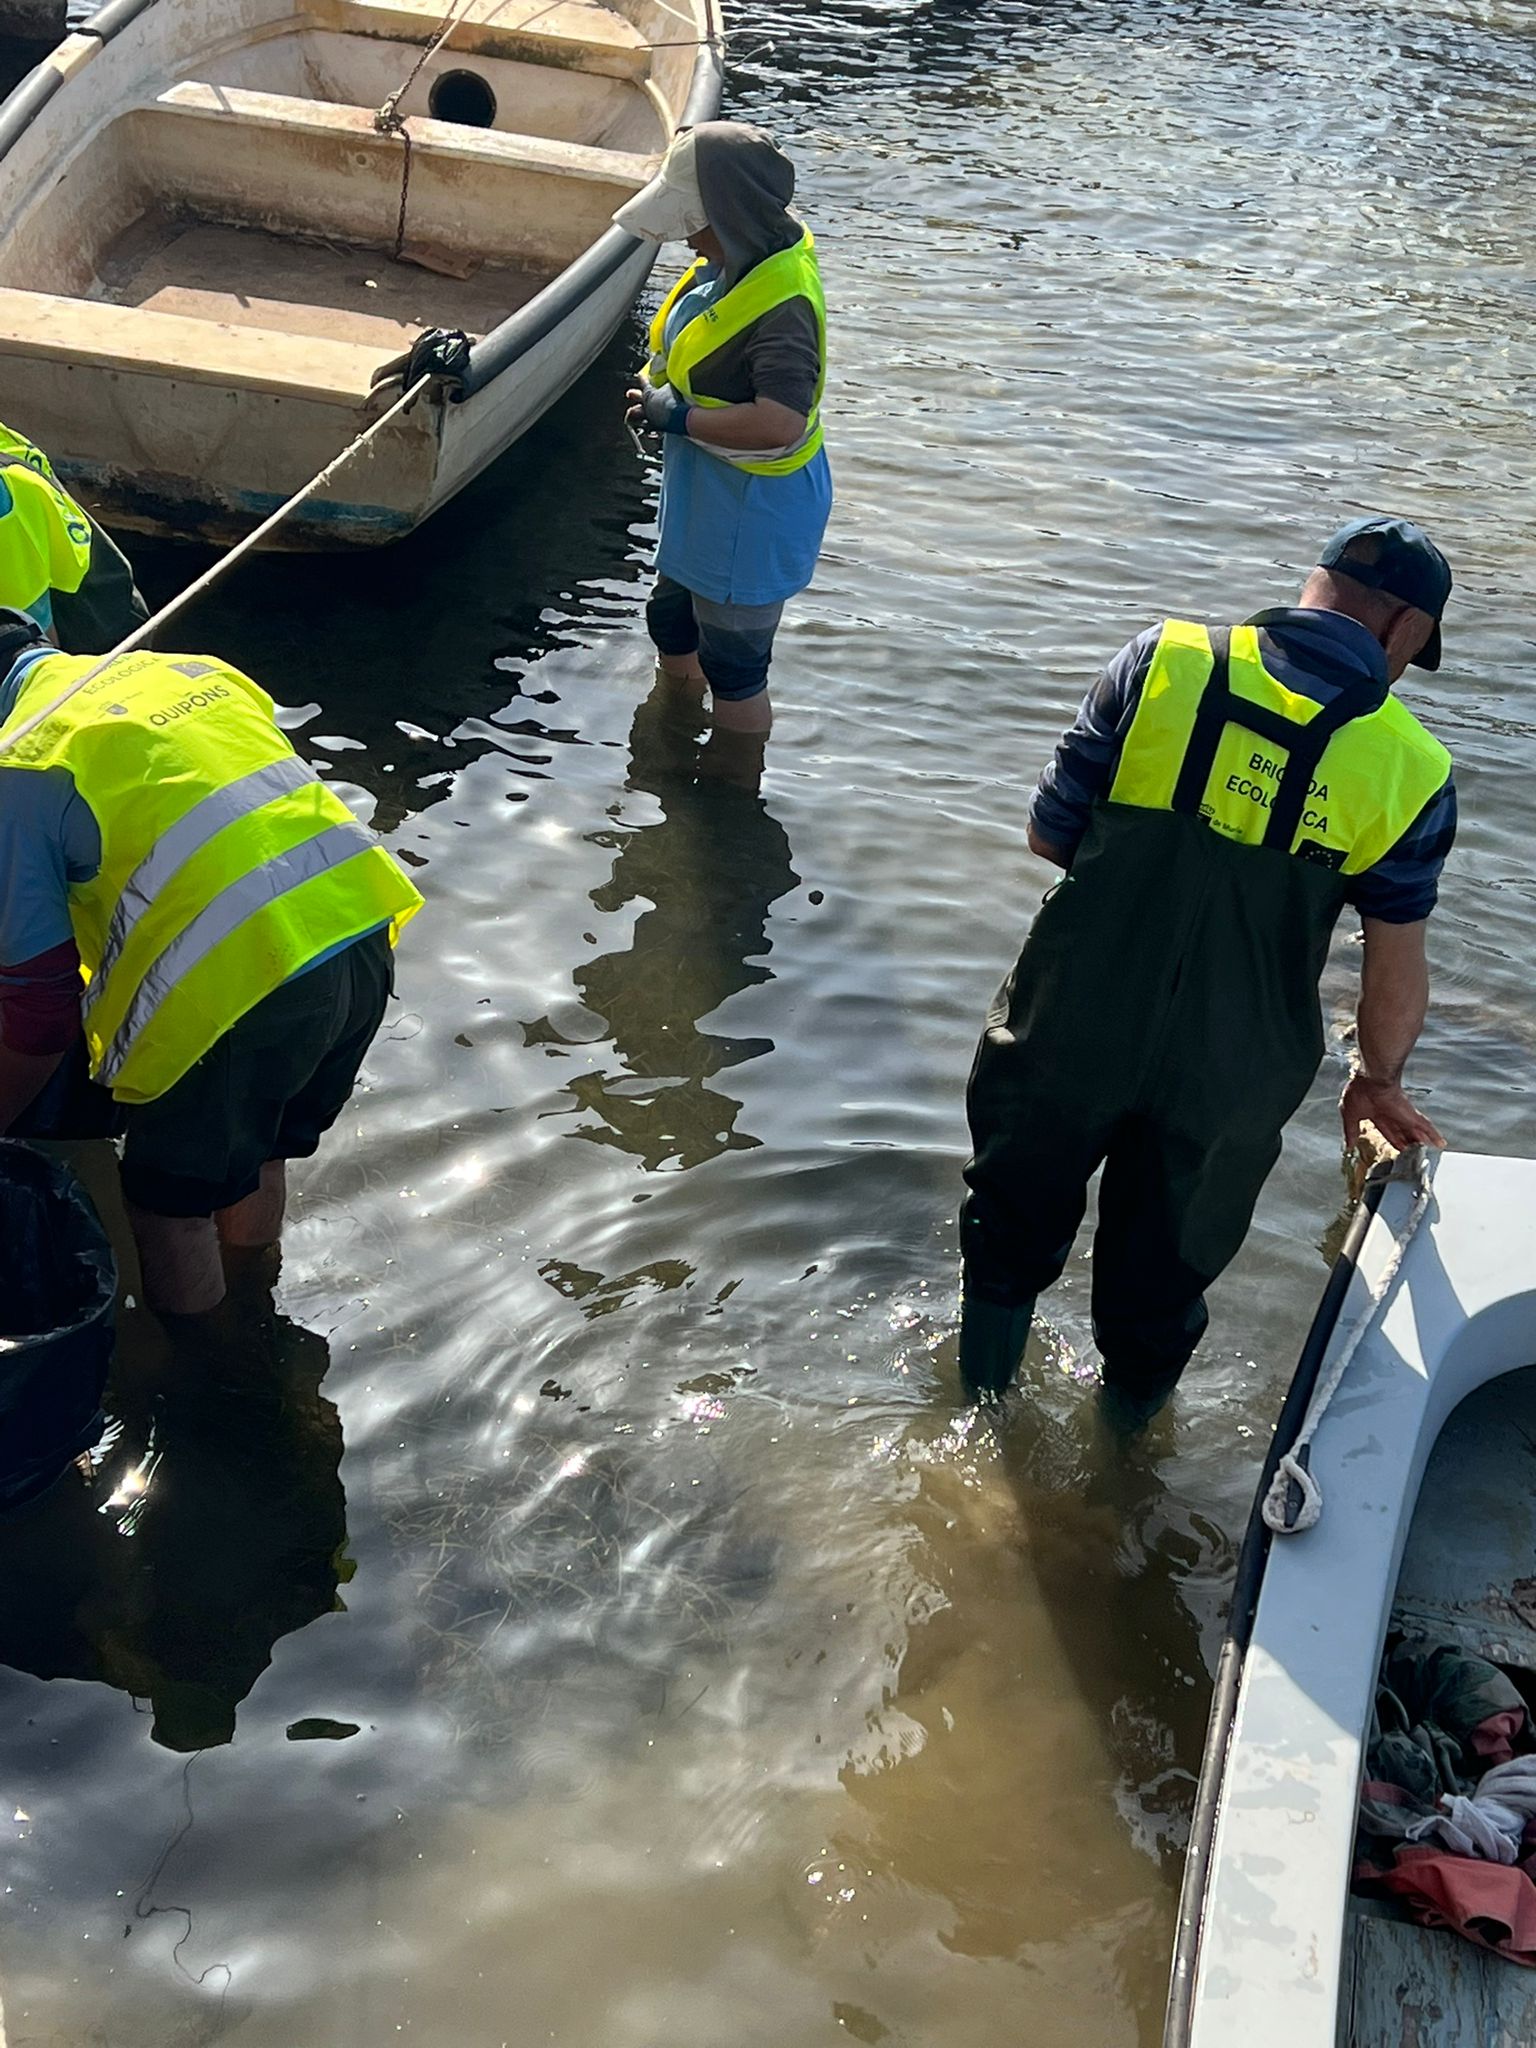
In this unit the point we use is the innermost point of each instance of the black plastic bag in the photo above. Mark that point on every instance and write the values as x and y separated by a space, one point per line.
58 1285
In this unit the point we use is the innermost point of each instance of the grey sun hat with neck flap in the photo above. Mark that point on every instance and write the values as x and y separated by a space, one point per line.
671 207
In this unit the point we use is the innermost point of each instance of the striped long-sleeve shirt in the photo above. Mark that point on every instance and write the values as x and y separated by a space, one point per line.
1314 652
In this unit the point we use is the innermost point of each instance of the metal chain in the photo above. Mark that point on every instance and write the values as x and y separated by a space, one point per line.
388 120
405 189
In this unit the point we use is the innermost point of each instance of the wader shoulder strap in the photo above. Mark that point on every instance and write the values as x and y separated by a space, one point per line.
1302 745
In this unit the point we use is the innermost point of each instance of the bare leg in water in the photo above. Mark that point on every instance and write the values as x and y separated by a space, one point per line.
739 729
680 668
256 1224
738 740
181 1257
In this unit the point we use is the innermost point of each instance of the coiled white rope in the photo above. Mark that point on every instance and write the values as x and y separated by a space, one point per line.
1287 1512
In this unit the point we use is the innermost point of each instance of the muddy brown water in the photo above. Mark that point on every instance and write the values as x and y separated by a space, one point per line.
600 1459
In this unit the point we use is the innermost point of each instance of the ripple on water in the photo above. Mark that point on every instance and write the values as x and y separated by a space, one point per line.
712 1675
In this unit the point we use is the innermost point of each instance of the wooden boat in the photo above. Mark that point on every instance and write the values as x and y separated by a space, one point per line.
1273 1951
209 245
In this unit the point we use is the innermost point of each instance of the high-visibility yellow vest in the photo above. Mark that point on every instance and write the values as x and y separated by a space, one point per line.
16 447
1216 736
791 274
226 864
45 538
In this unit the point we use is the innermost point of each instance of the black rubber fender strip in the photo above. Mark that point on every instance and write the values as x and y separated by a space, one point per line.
508 343
706 86
1246 1585
112 19
22 107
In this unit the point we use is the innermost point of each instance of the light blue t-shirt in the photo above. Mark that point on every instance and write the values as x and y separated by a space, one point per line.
48 839
729 536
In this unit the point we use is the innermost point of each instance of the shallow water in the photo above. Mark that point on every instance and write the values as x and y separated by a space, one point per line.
712 1677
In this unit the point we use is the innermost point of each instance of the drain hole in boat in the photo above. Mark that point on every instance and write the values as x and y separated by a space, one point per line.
464 97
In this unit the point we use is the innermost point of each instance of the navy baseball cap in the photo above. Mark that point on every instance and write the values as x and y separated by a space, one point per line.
1400 559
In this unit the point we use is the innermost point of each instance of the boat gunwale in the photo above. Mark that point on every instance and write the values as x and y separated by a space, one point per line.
27 98
1242 1614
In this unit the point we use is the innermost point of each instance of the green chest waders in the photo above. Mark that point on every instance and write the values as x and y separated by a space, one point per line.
1162 1021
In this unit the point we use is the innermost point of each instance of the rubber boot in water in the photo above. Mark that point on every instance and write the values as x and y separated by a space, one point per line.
992 1340
1128 1410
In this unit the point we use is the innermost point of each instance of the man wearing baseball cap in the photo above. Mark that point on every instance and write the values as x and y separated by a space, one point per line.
1222 797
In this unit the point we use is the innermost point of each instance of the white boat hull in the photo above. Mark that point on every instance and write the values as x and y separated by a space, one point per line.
1263 1937
198 274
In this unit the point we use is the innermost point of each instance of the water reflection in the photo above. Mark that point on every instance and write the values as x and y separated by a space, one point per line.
1057 1562
177 1594
711 869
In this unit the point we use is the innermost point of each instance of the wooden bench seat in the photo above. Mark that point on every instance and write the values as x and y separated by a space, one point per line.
321 169
282 114
577 35
128 338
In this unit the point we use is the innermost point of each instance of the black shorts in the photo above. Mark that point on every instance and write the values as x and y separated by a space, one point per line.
268 1089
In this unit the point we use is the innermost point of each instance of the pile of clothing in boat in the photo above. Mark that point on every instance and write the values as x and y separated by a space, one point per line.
1448 1807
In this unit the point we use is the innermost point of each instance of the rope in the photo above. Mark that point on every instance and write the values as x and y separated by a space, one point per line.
212 575
1295 1500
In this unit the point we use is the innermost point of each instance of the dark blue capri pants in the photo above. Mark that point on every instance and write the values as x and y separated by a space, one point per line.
734 642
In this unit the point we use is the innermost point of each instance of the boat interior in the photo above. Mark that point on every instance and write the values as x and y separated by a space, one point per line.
1466 1580
253 190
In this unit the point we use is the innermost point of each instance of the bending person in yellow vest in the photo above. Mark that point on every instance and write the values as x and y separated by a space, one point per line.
734 388
56 563
1223 796
232 922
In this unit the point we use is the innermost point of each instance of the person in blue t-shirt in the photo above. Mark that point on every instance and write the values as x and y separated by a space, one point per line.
746 487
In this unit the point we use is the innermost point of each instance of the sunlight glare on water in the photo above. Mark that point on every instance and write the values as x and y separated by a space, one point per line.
715 1679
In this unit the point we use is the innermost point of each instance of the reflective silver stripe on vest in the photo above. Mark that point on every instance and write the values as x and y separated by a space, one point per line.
176 846
745 457
225 914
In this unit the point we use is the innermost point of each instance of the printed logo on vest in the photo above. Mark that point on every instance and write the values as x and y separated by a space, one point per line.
1324 856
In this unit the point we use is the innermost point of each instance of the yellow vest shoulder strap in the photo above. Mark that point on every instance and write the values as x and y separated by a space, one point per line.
684 285
16 447
792 273
45 538
1217 736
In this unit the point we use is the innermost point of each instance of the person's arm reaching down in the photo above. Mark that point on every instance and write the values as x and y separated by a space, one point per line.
1047 849
1394 899
1394 996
